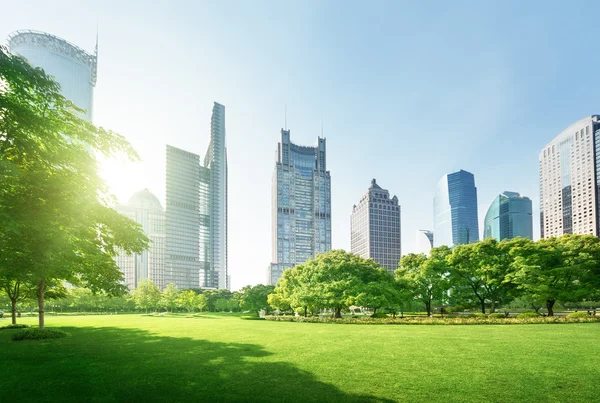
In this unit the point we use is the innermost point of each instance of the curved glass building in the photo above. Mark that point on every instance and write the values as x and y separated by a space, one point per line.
72 67
509 216
455 219
423 241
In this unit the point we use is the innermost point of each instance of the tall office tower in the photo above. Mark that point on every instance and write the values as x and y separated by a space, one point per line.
216 161
455 220
509 216
423 241
72 67
570 181
301 205
375 227
144 208
184 218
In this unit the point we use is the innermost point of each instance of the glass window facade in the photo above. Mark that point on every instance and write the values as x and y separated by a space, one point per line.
509 216
424 241
455 218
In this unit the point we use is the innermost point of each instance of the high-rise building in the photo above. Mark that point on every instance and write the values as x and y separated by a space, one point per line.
144 208
301 205
216 161
509 216
455 220
570 181
423 241
196 213
72 67
375 227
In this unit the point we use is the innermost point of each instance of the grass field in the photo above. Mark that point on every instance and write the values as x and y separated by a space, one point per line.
218 358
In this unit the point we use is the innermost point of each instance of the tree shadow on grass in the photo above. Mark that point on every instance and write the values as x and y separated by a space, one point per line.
134 365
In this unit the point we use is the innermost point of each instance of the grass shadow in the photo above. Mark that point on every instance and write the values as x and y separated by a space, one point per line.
123 364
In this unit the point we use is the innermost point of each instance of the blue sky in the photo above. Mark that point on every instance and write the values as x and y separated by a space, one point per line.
407 92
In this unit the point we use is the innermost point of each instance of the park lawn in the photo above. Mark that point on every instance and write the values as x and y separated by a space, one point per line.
218 358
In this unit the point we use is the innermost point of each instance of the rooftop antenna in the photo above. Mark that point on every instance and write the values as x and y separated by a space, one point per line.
285 125
322 127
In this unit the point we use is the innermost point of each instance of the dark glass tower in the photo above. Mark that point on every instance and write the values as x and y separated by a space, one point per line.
455 210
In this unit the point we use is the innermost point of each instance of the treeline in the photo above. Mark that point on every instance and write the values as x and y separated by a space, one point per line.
483 275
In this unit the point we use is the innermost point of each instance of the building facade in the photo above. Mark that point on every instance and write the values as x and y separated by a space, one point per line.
301 205
455 220
375 227
423 241
144 208
72 67
509 216
569 169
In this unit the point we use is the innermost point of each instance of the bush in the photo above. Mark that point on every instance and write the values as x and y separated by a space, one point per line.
528 315
39 334
496 315
246 317
578 315
379 315
479 315
17 326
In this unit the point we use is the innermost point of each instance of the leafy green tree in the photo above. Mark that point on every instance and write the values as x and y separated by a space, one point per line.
56 217
201 302
16 291
256 298
187 300
146 295
295 289
564 269
169 297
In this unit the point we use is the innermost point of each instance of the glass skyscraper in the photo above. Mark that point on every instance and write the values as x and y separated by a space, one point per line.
509 216
570 181
423 241
72 67
455 219
301 205
375 227
144 208
196 213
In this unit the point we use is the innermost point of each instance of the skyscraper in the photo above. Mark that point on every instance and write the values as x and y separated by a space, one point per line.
509 216
301 205
375 227
216 161
144 208
455 210
196 213
72 67
423 241
570 181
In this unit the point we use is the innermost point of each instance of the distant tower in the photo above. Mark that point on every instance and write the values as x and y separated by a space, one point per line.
509 216
301 205
375 227
424 241
455 220
144 208
72 67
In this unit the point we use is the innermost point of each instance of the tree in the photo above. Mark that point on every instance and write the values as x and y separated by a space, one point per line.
256 298
564 269
201 302
295 289
169 296
16 292
56 217
146 295
187 299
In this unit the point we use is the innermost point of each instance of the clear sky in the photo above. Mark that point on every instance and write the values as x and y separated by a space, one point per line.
407 92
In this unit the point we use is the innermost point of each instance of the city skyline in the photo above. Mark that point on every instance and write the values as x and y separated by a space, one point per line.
376 101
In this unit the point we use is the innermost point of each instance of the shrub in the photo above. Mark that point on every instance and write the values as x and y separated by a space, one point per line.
578 315
496 315
479 315
17 326
246 317
379 315
528 315
39 334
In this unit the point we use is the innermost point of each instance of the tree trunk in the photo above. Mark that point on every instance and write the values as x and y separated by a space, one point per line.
338 313
549 305
482 305
13 311
40 297
305 309
428 308
493 306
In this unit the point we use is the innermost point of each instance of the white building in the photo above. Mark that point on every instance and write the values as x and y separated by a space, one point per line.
144 208
423 241
569 167
72 67
375 227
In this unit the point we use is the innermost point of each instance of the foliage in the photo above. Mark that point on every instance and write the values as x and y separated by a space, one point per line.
247 317
147 295
189 300
57 222
496 315
39 334
168 298
578 315
528 315
14 326
379 315
255 298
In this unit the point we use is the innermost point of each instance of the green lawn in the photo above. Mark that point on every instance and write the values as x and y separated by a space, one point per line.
223 358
